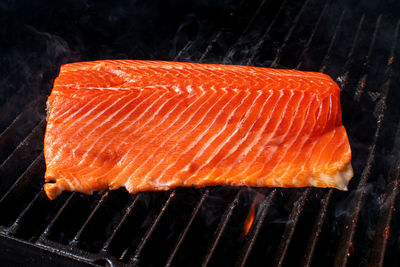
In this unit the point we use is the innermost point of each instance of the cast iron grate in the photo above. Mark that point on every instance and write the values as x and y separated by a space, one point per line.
357 45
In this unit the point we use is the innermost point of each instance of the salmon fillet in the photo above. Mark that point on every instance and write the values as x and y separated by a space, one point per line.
154 125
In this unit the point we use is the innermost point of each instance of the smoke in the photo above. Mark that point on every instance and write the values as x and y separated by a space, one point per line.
30 60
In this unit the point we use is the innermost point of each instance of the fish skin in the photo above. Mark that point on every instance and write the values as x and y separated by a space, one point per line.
157 125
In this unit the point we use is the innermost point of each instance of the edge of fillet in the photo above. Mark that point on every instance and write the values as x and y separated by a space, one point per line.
338 180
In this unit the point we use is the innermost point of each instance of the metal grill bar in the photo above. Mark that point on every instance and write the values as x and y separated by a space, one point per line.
346 67
290 227
221 227
261 41
310 39
189 224
20 126
185 48
39 159
218 35
27 151
332 42
135 258
13 229
210 45
252 237
367 63
317 228
27 140
252 18
26 112
128 210
75 240
231 50
46 232
342 254
265 33
288 35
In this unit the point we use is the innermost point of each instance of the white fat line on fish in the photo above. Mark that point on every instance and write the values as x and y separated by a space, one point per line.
108 118
148 174
323 131
203 149
65 184
244 138
99 125
305 137
77 183
116 88
311 152
290 130
342 142
69 183
299 150
56 114
181 116
168 65
326 145
73 114
255 83
276 147
315 173
58 154
136 130
203 116
267 140
259 133
119 163
142 137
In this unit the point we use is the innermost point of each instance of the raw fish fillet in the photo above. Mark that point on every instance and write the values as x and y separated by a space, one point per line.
154 125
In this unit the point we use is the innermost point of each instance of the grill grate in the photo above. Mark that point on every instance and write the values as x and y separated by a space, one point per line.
352 221
357 46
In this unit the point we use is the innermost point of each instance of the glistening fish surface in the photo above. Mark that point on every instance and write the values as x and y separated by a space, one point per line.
155 125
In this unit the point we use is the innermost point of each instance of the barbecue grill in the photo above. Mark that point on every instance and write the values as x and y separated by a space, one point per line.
357 44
